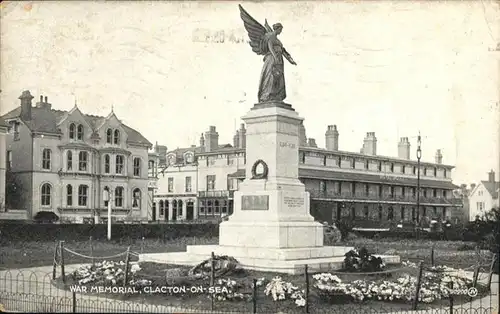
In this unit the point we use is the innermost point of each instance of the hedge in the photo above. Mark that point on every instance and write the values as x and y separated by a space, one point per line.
22 232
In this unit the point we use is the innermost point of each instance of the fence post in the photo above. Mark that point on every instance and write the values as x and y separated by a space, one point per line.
127 262
61 251
475 275
142 245
254 296
74 301
417 288
54 267
212 277
91 250
451 297
490 274
432 255
306 296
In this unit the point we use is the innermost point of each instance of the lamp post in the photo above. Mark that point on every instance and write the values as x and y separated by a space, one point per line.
419 155
107 197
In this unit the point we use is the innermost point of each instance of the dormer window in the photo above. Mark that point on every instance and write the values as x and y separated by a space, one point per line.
171 159
109 136
189 158
117 137
79 132
72 129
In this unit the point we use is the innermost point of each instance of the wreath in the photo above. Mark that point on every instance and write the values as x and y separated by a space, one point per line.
262 175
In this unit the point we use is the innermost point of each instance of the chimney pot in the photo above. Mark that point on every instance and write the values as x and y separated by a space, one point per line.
41 98
491 176
46 99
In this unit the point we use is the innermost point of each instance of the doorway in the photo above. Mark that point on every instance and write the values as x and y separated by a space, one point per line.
190 210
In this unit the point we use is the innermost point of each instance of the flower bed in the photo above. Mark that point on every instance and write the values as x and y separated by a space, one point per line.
362 261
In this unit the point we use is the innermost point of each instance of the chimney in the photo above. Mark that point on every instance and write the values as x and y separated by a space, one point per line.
439 157
202 141
236 139
43 104
312 143
242 136
491 176
26 105
404 148
332 138
370 144
302 135
211 139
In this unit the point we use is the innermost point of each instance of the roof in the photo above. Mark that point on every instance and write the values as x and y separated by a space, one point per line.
45 120
492 188
3 123
361 177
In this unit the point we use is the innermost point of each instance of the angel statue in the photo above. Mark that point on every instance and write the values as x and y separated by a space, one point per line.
264 41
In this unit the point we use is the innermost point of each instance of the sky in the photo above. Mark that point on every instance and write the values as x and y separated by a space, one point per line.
393 68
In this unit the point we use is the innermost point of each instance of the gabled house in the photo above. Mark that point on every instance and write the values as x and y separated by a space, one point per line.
484 197
62 161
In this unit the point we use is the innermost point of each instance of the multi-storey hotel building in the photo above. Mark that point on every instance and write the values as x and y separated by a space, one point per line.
198 182
63 161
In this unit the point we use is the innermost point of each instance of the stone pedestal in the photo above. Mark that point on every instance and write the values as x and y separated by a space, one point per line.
271 227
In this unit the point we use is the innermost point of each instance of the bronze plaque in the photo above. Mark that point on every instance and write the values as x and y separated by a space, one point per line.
255 202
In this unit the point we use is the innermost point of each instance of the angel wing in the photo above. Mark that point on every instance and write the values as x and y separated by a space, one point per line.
256 32
268 28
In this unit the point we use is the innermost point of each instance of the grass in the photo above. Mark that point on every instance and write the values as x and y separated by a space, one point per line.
34 253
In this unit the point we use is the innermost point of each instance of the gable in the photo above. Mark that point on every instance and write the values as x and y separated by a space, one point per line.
75 116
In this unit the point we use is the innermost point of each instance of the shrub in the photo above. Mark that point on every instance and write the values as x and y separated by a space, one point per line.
345 227
362 261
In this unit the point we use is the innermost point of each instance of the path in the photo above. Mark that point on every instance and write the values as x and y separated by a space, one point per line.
31 290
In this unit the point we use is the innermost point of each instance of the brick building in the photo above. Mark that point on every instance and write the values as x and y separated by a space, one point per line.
61 162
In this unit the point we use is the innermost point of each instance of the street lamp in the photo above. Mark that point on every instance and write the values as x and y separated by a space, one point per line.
107 197
419 155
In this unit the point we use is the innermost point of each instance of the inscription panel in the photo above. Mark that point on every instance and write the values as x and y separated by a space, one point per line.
293 202
287 145
254 202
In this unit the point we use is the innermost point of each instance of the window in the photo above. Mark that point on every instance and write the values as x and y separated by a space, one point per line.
353 212
216 207
9 160
367 189
82 161
69 195
414 170
162 210
179 207
224 207
413 192
403 169
202 207
136 194
339 187
79 132
117 137
170 186
119 164
137 166
353 163
367 164
379 166
188 184
425 171
445 194
107 164
435 172
324 160
380 213
209 208
72 129
445 173
392 167
210 182
46 154
69 160
109 136
190 159
425 193
366 211
46 194
434 193
119 196
403 190
353 188
302 158
380 191
82 195
402 213
322 187
413 214
390 213
339 161
392 191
